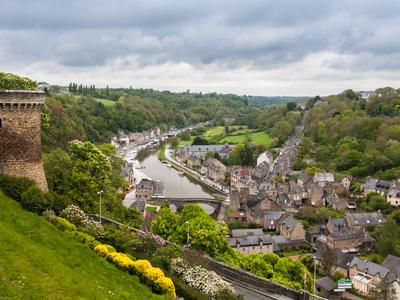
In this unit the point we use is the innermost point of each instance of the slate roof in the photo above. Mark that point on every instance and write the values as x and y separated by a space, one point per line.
289 222
369 267
393 264
247 232
334 200
145 184
250 240
323 177
365 219
326 283
224 149
273 215
343 260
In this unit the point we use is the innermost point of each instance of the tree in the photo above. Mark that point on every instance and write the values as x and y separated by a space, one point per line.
200 141
388 235
328 258
57 165
165 223
291 106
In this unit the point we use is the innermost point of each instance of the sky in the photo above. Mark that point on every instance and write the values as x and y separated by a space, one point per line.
252 47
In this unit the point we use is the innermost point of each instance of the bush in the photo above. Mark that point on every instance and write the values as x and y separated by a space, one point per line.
121 260
13 187
140 265
34 200
104 249
187 292
63 224
164 285
82 237
150 275
78 217
10 81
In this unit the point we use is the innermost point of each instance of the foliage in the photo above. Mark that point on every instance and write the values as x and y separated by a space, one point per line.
200 141
121 260
207 282
80 219
164 255
104 249
165 223
205 233
388 241
63 224
13 187
374 202
39 261
10 81
35 200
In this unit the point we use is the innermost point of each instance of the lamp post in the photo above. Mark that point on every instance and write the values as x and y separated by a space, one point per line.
100 193
187 239
315 270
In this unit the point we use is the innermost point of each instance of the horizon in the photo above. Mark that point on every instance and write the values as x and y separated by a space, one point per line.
261 48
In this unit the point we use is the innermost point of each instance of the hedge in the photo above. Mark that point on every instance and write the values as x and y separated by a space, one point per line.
10 81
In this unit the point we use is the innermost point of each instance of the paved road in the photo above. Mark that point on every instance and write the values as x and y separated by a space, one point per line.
283 163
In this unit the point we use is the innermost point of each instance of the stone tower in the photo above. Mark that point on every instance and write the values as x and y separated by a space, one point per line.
20 141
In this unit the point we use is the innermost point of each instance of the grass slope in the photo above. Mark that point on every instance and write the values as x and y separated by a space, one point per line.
106 102
38 261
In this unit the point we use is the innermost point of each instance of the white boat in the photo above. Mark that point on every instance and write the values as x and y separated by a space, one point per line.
181 173
169 165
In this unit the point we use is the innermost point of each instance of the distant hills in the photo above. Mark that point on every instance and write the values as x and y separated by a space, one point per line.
272 100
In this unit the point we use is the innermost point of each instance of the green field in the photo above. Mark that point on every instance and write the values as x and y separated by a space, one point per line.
38 261
258 138
106 102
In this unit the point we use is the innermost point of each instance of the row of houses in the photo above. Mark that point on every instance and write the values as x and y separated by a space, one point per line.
367 277
388 189
139 138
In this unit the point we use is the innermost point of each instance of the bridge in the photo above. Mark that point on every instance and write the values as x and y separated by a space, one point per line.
179 203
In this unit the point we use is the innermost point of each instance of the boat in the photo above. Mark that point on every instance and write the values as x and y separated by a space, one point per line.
181 173
169 165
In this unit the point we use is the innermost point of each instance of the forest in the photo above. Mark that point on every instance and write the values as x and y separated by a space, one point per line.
350 135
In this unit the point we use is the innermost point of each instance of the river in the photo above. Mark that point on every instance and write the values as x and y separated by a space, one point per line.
175 186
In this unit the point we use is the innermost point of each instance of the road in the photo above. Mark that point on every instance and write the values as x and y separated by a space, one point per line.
283 163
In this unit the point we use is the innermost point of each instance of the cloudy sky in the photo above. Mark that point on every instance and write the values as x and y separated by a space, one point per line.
264 47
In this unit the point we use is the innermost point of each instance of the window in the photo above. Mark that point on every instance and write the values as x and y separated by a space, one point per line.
0 123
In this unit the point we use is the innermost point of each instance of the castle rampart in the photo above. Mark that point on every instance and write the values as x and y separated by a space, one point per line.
20 135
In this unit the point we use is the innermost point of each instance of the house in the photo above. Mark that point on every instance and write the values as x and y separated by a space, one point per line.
296 193
124 139
265 157
261 171
393 196
375 185
202 150
271 219
291 228
345 182
341 236
251 241
239 174
323 178
258 207
304 179
325 286
361 221
268 189
366 275
214 169
127 172
158 189
316 195
336 203
193 161
393 264
144 190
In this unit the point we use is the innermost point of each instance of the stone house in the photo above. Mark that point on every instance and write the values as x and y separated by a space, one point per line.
193 162
291 228
261 171
346 182
366 275
393 196
375 185
271 219
265 157
144 190
238 174
361 221
256 211
202 150
250 241
304 180
323 178
336 203
341 236
214 169
316 195
268 189
393 264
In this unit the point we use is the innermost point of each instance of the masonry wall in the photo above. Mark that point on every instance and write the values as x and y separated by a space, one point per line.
20 135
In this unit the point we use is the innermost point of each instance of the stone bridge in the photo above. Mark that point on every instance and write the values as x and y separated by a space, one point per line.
211 206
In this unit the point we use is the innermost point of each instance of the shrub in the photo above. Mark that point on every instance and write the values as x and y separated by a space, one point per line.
78 217
34 200
122 260
49 215
13 187
140 265
10 81
151 274
82 237
104 249
164 285
63 224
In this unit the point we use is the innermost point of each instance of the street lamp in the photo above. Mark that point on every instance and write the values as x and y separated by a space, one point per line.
100 193
315 270
187 239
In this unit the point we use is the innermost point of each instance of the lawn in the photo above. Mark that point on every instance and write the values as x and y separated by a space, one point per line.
258 138
214 131
106 102
38 261
186 143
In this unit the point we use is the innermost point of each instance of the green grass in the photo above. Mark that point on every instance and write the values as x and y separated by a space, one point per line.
106 102
186 143
214 131
258 138
38 261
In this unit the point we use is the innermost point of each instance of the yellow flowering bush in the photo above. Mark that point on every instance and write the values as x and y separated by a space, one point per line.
63 224
140 265
164 285
122 260
150 275
104 249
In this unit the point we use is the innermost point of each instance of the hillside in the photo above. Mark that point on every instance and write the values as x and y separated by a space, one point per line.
38 261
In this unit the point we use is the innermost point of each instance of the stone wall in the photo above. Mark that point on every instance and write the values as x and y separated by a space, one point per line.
20 135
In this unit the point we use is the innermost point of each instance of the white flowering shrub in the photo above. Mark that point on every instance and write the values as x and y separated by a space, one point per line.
207 282
78 217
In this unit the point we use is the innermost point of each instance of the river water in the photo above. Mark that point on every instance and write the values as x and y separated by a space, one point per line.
175 186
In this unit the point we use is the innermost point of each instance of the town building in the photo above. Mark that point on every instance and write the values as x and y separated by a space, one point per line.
291 228
214 169
363 221
250 241
202 150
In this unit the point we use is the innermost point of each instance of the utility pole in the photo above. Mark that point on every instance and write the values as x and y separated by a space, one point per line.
187 239
315 270
99 193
